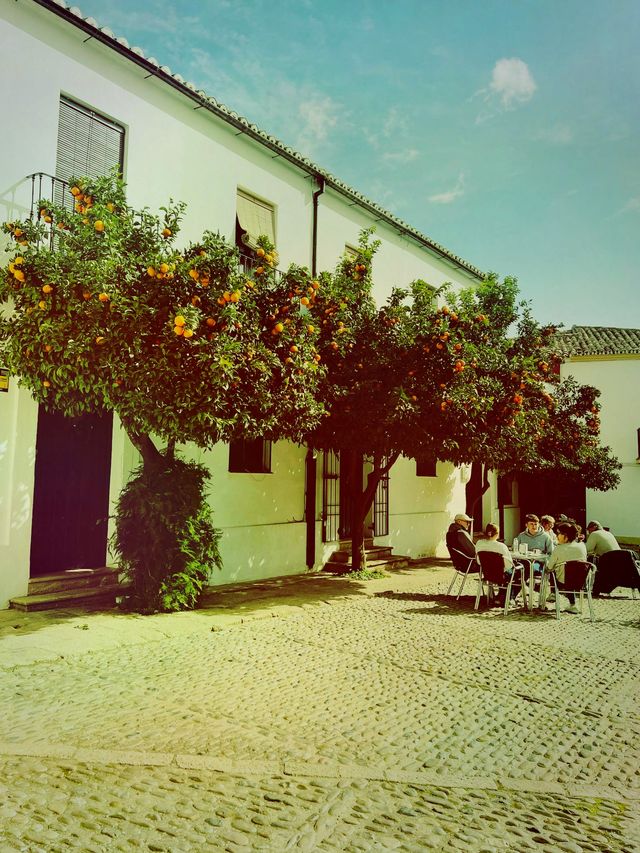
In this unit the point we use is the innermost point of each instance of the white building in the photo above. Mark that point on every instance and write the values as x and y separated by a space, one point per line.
77 100
609 360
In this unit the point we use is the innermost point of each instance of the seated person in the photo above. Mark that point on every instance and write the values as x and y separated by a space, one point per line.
568 548
490 543
600 541
547 522
458 535
534 536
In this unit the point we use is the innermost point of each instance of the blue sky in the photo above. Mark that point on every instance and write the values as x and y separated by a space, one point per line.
507 130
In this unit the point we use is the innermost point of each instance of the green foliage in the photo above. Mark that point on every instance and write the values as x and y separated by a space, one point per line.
180 343
164 538
367 574
472 380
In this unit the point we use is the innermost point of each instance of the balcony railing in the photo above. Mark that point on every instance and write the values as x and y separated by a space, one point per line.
48 188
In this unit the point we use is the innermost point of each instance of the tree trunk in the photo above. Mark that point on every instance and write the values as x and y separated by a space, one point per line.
362 501
472 499
144 445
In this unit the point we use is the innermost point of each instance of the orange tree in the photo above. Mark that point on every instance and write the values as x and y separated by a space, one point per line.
472 381
104 312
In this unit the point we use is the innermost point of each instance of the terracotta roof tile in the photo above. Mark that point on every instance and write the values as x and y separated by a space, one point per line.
597 340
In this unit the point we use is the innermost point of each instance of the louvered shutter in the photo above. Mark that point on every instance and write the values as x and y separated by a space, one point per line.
88 143
255 218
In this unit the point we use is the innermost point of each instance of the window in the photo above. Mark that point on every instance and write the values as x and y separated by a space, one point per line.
505 490
250 456
426 467
350 252
254 218
88 143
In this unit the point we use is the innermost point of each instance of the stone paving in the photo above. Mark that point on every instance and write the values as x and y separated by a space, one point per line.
371 717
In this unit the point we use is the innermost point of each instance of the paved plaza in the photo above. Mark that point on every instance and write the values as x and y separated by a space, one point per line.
366 716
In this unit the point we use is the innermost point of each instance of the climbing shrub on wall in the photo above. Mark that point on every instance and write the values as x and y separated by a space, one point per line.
164 537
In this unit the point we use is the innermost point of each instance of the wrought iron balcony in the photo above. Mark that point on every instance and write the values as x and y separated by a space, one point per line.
48 188
45 187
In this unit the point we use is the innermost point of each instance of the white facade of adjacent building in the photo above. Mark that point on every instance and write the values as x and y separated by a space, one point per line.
177 143
609 359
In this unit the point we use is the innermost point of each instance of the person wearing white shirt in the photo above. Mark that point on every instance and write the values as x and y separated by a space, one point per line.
599 541
490 543
568 548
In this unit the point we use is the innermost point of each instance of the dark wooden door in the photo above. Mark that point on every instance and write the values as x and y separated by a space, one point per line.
71 492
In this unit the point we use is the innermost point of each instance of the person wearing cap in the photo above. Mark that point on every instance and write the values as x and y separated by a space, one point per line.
599 541
534 537
458 535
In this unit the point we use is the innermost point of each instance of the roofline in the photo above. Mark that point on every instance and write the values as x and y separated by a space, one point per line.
602 356
163 73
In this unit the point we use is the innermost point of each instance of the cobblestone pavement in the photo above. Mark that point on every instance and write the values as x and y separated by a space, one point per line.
397 720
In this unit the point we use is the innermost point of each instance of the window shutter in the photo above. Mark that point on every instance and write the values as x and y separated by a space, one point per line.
88 143
255 218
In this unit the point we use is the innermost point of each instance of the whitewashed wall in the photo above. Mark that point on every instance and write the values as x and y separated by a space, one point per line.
175 151
618 379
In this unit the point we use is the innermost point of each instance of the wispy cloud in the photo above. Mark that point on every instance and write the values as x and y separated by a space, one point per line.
317 117
450 195
511 84
302 115
632 206
406 156
560 134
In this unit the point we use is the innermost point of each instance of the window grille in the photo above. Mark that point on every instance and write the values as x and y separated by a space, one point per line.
330 496
250 456
381 507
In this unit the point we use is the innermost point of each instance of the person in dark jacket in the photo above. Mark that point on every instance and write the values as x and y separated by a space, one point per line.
458 535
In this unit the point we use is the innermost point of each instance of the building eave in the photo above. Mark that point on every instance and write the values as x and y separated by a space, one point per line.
162 73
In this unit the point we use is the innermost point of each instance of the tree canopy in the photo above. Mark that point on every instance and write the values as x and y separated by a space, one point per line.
107 313
180 343
474 380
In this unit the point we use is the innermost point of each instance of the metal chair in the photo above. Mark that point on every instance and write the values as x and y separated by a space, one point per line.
578 578
493 573
463 565
617 568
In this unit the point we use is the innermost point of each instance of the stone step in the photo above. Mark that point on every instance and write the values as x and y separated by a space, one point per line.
90 598
73 579
343 568
345 544
375 553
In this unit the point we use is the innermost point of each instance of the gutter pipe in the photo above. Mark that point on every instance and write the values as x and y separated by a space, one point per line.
311 460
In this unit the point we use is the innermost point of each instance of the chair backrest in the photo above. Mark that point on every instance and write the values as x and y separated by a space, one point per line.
617 568
492 566
460 561
621 566
576 573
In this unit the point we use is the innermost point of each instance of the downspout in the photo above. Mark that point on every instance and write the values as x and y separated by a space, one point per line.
311 462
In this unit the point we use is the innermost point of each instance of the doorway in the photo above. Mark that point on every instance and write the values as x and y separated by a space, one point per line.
71 492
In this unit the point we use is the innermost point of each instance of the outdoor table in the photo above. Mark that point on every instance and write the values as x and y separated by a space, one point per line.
530 557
